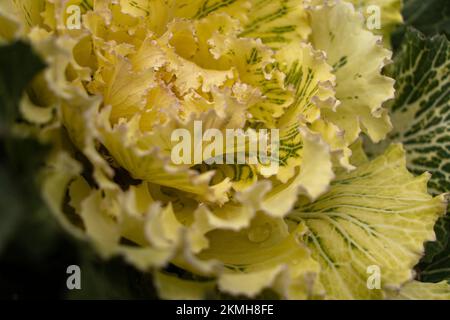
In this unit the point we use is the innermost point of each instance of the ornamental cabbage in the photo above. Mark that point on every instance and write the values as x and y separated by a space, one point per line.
121 76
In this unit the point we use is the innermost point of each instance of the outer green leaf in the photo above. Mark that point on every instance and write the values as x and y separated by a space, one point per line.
10 207
430 17
113 279
439 268
17 66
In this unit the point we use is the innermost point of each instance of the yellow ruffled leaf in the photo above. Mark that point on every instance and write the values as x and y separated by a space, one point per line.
150 162
106 224
416 290
26 12
310 179
265 255
357 57
275 22
56 177
390 16
173 288
378 215
310 77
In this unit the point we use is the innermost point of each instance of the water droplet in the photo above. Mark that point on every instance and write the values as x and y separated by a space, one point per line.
259 233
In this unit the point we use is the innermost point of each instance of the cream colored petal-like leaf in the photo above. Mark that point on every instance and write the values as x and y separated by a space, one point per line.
382 16
311 179
416 290
265 255
374 218
171 287
357 57
308 74
275 22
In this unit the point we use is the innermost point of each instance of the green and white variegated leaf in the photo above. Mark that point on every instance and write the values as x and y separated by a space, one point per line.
378 215
439 267
437 253
421 111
